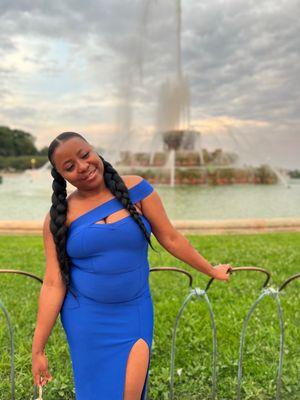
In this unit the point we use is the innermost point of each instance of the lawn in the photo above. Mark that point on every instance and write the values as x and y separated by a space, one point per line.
278 252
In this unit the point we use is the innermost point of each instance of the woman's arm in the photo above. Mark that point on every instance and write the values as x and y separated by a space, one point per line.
49 305
174 242
51 295
181 248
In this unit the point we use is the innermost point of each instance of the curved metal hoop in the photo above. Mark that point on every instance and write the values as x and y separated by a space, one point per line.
12 365
265 292
246 268
175 269
18 271
198 293
287 281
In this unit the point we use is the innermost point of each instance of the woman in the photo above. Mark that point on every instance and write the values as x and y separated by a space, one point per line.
96 244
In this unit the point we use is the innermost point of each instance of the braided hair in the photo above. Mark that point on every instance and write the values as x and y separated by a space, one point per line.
59 208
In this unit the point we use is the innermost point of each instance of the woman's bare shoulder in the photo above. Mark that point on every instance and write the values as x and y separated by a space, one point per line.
71 198
131 180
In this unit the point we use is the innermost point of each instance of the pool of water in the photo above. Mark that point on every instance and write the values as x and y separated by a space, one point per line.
26 197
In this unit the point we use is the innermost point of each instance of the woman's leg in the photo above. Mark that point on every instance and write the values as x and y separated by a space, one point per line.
136 370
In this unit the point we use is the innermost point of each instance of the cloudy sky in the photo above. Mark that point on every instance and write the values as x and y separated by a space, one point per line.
97 67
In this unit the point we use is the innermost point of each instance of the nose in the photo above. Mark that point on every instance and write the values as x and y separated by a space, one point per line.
82 165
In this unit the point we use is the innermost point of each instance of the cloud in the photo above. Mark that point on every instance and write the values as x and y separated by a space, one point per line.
102 64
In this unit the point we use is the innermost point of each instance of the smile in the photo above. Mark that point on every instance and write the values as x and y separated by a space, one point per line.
90 175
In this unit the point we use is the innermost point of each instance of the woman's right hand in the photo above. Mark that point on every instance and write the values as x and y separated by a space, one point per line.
40 372
221 272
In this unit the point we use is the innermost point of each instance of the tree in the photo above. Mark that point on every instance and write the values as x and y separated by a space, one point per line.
6 143
14 142
43 151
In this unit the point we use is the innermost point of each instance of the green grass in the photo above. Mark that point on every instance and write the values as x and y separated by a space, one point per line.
279 253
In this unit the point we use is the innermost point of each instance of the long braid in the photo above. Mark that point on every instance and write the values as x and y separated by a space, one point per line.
118 188
58 214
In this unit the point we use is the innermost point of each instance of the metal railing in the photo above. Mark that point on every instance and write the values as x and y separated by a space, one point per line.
198 293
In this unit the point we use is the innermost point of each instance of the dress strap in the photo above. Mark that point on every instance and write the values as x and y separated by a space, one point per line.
136 193
140 191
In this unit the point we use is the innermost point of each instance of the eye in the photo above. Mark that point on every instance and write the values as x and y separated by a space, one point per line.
86 155
69 168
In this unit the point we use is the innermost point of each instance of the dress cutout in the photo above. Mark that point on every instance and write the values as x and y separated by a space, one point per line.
113 305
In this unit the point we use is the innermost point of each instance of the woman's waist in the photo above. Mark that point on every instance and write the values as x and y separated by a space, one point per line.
110 298
112 287
95 266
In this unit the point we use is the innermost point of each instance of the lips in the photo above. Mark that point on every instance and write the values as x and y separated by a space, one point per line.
90 175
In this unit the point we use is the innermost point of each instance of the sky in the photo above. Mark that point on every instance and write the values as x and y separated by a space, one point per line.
98 68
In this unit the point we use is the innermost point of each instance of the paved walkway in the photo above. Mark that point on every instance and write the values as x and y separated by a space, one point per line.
198 227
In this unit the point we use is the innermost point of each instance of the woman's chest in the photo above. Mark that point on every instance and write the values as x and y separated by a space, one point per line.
121 237
76 212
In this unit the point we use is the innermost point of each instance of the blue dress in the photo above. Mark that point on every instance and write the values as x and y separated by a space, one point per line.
113 305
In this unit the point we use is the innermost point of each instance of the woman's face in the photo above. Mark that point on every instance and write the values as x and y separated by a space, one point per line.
78 162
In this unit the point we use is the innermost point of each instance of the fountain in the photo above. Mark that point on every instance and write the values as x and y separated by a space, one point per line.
176 153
